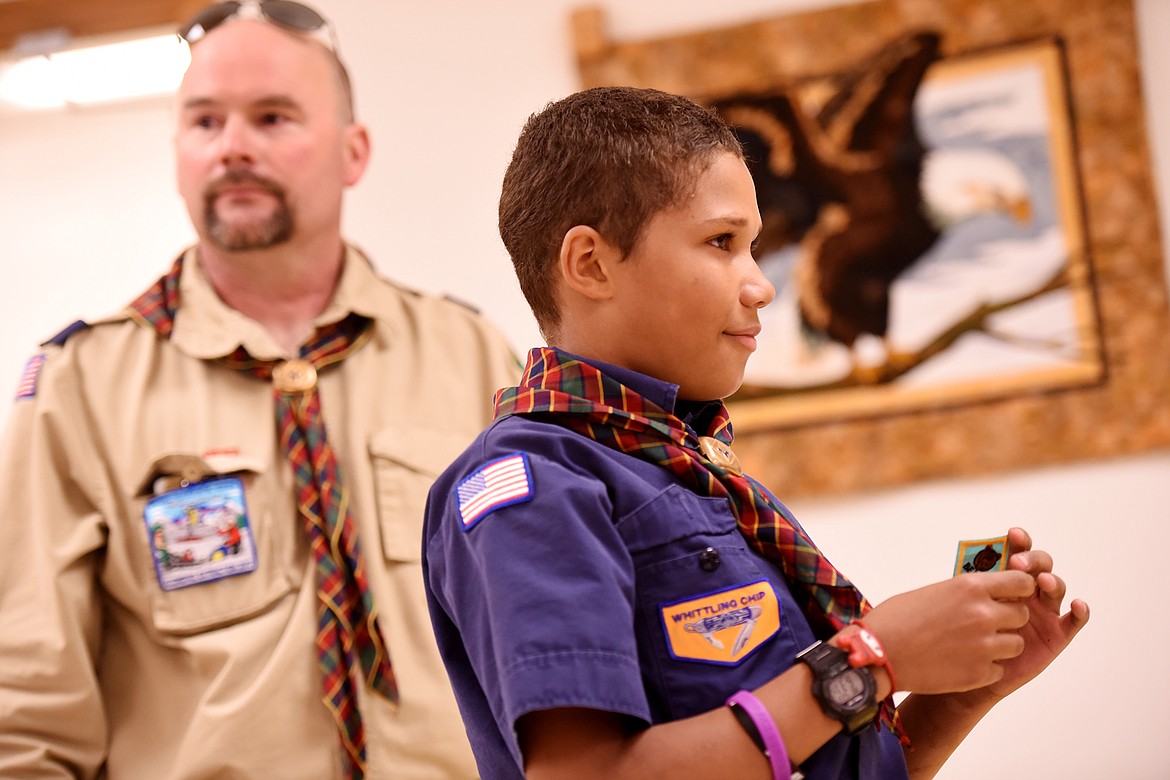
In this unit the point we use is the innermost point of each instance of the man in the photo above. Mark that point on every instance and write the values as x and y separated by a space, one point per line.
209 556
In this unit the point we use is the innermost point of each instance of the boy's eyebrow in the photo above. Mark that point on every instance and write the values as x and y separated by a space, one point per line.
730 219
734 220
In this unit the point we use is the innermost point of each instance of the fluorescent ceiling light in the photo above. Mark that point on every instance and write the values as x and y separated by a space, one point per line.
97 74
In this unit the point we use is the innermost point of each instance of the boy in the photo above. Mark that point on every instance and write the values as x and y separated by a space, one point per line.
602 579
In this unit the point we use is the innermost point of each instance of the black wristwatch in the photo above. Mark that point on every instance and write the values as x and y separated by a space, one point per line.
846 693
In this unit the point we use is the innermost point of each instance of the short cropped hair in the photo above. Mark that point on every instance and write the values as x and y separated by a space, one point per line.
610 158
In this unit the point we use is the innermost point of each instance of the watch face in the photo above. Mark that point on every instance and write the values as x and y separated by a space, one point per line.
845 693
847 689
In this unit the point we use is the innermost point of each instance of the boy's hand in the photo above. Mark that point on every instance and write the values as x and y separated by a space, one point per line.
1047 632
957 634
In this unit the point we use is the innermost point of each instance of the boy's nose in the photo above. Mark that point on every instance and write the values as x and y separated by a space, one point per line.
758 290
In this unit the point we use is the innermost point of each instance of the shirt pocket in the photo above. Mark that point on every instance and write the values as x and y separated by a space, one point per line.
406 461
709 611
674 522
221 600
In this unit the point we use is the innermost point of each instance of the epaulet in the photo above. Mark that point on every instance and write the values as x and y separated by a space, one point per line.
30 378
461 302
60 339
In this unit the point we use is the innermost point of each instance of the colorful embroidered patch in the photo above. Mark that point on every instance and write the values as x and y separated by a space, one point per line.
200 533
503 482
27 387
982 555
722 627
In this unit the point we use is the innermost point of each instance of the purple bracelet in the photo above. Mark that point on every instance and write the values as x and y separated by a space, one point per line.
774 749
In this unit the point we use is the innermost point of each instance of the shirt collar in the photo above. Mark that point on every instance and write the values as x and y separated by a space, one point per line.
207 328
696 415
664 394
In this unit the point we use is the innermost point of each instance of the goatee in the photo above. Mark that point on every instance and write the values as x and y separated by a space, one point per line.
271 231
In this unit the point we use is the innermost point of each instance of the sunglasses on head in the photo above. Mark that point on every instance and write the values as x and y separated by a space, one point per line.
286 14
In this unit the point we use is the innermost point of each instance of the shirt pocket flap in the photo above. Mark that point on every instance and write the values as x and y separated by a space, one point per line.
406 461
675 515
168 471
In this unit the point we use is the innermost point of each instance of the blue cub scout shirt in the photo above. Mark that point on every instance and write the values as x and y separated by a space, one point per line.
595 579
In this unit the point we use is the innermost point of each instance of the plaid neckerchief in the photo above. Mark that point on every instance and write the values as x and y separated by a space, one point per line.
349 642
573 394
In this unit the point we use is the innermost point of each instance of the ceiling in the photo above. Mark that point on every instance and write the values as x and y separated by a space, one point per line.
85 18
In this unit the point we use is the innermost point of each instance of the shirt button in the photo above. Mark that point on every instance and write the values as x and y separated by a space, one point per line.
709 559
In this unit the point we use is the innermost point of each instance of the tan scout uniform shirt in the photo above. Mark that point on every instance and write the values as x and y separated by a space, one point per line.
102 672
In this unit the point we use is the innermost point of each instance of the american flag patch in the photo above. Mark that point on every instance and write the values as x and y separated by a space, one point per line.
503 482
27 387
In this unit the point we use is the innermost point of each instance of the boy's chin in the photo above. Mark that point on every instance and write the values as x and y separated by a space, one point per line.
710 391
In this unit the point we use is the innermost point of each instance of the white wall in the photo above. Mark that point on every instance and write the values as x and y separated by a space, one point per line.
88 217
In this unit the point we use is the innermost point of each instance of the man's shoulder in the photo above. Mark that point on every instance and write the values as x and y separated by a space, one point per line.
60 356
62 336
437 304
422 302
442 323
71 332
89 334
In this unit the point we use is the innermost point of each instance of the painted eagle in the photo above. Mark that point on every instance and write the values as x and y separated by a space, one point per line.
844 182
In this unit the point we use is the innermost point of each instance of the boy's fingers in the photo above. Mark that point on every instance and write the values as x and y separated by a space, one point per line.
1077 617
1016 616
1033 562
1008 645
1019 540
1052 589
1010 584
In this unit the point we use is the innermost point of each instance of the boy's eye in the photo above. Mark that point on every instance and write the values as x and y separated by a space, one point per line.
722 241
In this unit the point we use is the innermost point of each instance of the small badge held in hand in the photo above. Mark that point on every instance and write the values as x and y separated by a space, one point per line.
982 555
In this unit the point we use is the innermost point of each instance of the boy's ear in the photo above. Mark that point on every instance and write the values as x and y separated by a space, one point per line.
585 262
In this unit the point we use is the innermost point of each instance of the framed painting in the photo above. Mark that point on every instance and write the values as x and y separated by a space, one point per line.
939 224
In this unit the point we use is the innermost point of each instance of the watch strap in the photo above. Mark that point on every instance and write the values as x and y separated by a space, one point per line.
864 649
828 664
